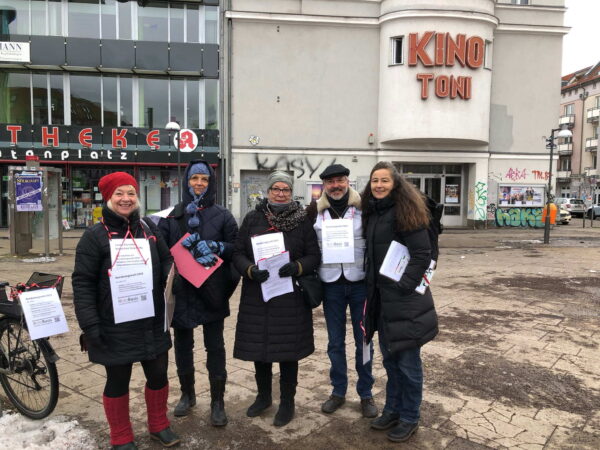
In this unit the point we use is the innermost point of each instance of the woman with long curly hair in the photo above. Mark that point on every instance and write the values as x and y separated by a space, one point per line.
394 210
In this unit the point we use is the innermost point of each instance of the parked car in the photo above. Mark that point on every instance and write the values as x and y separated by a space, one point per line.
593 212
564 217
575 206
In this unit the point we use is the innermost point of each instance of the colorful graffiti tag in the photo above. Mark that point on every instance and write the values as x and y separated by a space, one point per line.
480 200
519 217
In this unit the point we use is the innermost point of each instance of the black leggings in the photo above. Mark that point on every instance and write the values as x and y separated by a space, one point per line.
117 377
213 343
288 370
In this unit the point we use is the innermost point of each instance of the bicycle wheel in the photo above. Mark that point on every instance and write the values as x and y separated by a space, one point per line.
28 376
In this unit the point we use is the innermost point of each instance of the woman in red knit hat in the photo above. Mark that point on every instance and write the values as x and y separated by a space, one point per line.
121 265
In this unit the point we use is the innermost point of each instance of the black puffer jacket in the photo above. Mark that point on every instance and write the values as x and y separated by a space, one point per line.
280 329
409 319
126 342
209 302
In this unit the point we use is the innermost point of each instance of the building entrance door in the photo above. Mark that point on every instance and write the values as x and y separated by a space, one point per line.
431 186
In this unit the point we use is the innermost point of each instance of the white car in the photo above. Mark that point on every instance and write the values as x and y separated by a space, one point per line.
564 217
575 206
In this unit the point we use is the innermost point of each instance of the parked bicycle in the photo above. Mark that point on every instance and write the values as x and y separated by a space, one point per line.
27 367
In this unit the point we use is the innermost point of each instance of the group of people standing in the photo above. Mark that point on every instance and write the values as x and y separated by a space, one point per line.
276 331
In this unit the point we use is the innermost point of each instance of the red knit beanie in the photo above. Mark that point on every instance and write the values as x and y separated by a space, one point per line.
109 183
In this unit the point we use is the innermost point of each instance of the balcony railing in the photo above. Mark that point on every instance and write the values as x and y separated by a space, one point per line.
593 114
591 144
564 175
567 119
565 149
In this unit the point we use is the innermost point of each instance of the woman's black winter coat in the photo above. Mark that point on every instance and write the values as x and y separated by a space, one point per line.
280 329
126 342
210 302
408 318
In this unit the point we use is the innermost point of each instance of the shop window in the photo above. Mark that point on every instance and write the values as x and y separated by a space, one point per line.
86 104
38 17
153 102
211 104
57 107
55 18
40 98
193 104
177 103
452 191
176 22
193 23
84 18
452 210
211 33
454 168
125 101
125 20
153 22
108 18
110 104
396 56
14 17
15 95
423 168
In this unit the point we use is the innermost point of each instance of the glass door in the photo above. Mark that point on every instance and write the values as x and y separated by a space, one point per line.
432 187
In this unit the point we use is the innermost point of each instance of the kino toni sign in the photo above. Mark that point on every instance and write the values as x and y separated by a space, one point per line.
445 51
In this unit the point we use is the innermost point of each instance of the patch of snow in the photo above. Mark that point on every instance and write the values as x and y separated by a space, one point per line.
593 271
43 259
54 432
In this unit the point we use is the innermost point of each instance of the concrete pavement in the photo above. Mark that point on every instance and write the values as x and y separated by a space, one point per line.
516 364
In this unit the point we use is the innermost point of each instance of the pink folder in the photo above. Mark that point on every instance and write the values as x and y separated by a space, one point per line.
188 267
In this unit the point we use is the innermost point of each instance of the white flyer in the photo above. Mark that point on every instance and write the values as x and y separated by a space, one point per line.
169 298
395 261
338 241
131 279
43 312
427 276
275 285
267 245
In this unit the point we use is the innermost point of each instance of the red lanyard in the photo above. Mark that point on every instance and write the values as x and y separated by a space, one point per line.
112 233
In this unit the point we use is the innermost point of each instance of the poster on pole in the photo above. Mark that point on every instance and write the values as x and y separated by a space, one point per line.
28 189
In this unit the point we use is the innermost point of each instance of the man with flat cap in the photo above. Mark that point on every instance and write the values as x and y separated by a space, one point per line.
339 229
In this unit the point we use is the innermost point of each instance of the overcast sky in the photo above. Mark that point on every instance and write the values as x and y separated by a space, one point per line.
581 47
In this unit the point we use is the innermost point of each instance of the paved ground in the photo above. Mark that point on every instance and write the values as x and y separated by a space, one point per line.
516 364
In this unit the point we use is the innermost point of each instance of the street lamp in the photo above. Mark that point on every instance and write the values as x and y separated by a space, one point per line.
174 126
562 133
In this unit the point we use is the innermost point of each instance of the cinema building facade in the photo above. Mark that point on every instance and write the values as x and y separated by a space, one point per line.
89 86
457 94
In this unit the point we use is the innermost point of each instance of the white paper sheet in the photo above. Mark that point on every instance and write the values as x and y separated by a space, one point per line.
366 352
131 280
426 281
43 312
169 298
267 245
395 261
275 285
338 241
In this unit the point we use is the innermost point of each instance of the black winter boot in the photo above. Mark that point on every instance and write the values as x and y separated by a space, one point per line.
188 395
286 410
263 400
218 418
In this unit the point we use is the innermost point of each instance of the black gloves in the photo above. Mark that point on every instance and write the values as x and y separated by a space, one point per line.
91 337
289 270
258 275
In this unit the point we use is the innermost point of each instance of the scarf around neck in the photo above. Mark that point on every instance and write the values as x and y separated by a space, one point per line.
285 220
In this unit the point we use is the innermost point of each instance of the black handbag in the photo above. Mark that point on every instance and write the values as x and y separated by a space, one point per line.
312 289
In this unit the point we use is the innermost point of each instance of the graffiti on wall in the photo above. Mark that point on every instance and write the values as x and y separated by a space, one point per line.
491 211
519 217
480 202
540 175
516 174
301 165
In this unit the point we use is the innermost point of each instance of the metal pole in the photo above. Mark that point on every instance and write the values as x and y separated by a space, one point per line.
547 222
178 167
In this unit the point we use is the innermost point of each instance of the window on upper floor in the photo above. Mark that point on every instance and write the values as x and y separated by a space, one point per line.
598 101
569 109
568 140
520 2
565 164
396 50
487 61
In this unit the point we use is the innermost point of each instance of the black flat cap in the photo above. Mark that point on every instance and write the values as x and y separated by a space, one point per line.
334 170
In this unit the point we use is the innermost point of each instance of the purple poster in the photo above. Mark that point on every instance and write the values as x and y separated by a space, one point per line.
28 188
